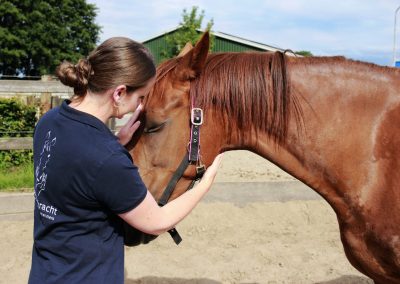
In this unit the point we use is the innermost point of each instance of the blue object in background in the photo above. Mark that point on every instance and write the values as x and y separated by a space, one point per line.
397 64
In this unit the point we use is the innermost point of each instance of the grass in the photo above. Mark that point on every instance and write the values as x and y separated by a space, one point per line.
17 179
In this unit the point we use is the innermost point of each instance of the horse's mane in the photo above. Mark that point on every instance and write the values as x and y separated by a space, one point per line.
346 62
251 90
254 89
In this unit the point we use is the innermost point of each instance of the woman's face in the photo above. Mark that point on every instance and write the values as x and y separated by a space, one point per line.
131 101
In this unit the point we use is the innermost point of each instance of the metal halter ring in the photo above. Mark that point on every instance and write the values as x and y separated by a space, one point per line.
197 116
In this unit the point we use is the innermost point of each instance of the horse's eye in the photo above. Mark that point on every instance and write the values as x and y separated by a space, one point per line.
154 128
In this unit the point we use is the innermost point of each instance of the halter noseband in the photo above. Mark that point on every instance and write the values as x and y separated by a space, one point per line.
192 157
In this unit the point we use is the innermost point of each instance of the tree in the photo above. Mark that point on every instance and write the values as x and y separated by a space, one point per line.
36 35
187 32
305 53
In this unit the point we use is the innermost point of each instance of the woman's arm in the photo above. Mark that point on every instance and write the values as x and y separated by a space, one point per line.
148 217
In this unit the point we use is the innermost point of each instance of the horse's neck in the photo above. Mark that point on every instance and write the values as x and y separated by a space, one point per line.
342 111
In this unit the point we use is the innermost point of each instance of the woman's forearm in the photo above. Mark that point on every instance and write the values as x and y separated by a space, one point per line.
152 219
179 208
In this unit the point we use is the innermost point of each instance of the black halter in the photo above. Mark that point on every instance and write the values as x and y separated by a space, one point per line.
192 157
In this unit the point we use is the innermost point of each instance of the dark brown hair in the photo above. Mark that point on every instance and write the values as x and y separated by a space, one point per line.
117 61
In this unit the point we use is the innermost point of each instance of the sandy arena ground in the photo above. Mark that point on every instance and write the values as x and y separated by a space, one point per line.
257 242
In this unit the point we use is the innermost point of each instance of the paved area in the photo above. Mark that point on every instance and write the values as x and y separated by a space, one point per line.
19 206
16 206
241 193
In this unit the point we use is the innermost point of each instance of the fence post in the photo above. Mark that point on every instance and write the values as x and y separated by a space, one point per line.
56 101
45 103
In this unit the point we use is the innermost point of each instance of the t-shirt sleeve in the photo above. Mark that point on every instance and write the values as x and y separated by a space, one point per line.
118 184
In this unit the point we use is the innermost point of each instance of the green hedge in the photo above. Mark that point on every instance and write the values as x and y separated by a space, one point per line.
16 120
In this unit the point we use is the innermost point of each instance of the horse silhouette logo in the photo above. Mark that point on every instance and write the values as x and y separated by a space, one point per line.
40 170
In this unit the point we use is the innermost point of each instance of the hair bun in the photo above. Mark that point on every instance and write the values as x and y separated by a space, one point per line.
75 76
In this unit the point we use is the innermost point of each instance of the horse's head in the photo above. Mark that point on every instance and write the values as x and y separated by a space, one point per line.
166 130
244 96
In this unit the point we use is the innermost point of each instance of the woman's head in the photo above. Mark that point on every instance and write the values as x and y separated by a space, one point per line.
117 61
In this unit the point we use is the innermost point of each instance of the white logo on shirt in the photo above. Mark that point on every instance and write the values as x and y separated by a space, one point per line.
47 211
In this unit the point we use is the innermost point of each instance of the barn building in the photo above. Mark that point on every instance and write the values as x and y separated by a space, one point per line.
222 43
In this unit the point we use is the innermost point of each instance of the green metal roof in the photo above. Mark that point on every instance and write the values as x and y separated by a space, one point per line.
222 43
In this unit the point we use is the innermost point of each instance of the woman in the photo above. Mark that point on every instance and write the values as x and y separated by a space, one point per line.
85 181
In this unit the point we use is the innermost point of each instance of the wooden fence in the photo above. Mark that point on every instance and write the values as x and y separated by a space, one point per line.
20 143
43 94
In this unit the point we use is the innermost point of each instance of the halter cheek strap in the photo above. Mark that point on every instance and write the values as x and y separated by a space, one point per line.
194 144
191 157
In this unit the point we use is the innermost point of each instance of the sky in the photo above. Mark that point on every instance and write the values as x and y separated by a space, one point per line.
358 29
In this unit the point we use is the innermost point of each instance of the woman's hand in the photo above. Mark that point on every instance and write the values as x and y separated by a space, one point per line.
126 132
211 171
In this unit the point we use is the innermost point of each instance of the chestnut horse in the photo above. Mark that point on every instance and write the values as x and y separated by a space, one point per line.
332 123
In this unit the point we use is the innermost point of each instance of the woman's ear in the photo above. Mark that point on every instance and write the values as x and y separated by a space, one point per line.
118 93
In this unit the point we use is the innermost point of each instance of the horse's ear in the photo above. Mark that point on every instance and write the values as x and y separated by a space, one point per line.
194 60
188 47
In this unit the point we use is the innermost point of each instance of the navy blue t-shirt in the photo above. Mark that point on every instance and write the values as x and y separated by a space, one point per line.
83 178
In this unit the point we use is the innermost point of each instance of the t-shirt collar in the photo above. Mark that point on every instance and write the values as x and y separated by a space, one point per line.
83 117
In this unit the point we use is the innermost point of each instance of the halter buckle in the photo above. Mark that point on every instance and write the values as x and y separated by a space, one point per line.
197 116
200 170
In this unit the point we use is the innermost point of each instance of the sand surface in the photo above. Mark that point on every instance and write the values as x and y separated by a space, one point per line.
257 242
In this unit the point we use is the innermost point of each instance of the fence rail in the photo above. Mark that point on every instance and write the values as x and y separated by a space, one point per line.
20 143
33 88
